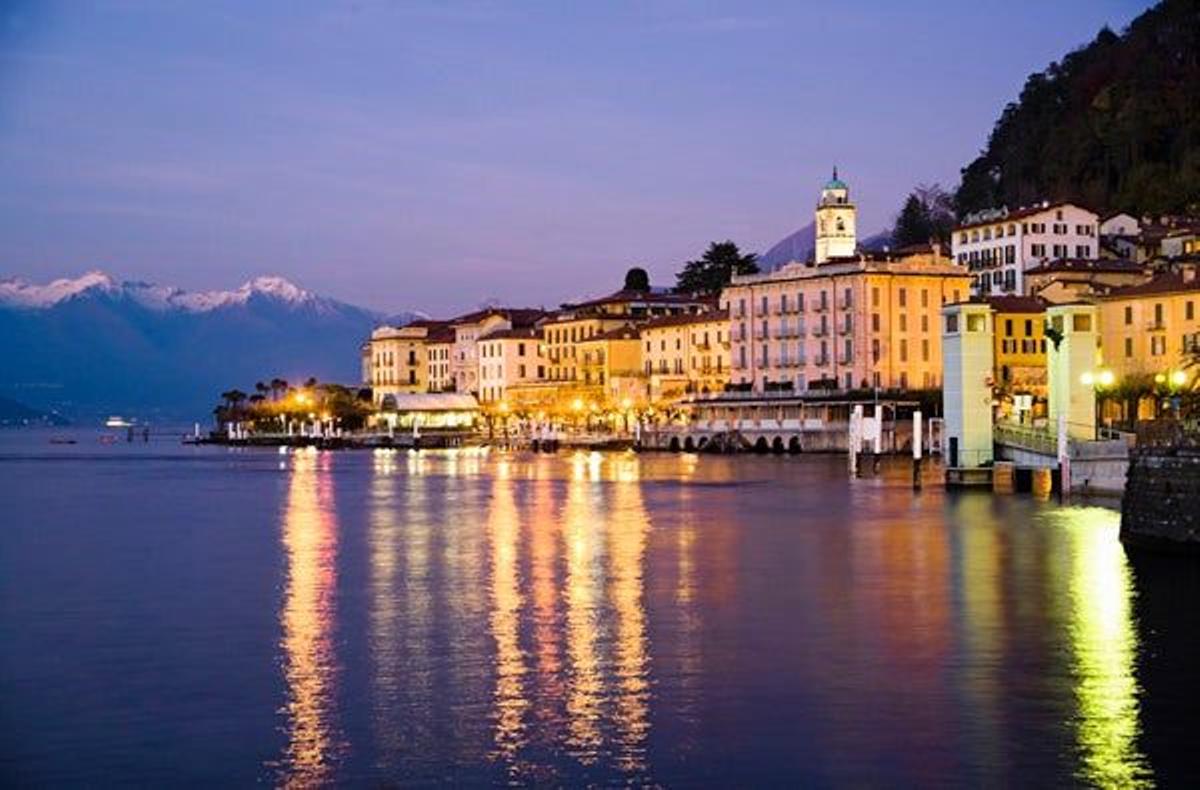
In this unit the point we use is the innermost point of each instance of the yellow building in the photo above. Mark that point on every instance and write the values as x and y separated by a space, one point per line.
607 358
686 354
577 323
872 321
1151 329
508 358
1020 346
1072 279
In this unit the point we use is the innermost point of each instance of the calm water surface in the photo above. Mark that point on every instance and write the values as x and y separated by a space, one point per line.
197 615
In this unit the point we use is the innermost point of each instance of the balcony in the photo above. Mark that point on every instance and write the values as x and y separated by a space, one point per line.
820 331
821 307
1155 325
846 329
845 304
821 361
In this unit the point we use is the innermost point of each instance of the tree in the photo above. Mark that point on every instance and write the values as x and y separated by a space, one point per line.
713 271
637 280
310 382
928 213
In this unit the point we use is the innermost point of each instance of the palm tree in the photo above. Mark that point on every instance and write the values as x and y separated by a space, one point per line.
310 382
261 388
277 385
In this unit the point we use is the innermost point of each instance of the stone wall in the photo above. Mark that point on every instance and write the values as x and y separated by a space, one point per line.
1161 506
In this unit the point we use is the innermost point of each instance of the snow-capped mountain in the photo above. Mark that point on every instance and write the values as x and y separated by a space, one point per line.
19 293
95 343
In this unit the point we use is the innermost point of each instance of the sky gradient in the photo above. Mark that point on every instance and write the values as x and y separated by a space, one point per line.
435 156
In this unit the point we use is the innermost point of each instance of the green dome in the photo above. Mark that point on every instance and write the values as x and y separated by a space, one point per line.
835 182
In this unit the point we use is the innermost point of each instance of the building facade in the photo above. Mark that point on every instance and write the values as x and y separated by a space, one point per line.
686 354
868 322
1020 345
1153 328
998 246
509 358
464 354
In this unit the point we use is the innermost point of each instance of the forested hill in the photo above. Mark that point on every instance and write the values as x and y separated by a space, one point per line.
1115 125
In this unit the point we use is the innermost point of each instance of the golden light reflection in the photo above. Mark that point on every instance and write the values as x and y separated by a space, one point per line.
1104 645
586 689
627 546
310 540
383 543
509 700
544 547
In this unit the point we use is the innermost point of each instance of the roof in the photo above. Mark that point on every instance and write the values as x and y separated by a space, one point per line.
517 316
1021 213
644 297
1016 304
684 319
519 332
1088 265
1167 283
626 332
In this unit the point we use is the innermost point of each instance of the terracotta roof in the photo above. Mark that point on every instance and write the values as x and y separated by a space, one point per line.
683 319
1170 282
518 316
1019 214
1106 265
1016 304
648 297
626 332
519 332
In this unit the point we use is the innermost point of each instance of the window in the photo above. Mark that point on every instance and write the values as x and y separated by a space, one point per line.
1008 327
925 323
875 350
1128 314
952 323
1128 347
903 297
1189 310
875 297
924 350
903 350
924 297
903 322
875 321
1028 328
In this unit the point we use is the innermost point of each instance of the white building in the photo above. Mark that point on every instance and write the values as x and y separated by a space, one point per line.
835 234
464 354
998 246
508 357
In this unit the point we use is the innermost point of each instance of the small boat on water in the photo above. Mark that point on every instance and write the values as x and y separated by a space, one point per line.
116 421
62 440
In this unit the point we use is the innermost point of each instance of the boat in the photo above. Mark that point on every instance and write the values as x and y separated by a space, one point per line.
117 422
62 440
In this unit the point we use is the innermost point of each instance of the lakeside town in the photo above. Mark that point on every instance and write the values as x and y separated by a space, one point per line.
779 360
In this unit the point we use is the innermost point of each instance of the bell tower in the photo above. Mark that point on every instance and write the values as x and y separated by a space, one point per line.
835 221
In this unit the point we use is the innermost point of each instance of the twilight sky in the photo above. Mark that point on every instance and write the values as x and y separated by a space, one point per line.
433 155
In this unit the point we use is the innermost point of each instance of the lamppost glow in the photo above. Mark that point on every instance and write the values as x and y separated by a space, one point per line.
1179 378
1087 379
1107 378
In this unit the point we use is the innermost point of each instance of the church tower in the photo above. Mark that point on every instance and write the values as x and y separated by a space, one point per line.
835 221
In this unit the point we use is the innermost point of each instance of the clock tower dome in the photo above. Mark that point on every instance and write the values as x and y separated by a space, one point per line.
835 221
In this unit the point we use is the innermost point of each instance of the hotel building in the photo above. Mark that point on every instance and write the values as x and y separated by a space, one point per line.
509 358
686 354
998 246
1151 328
396 359
469 328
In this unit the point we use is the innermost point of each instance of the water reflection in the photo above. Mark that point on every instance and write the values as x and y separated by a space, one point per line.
584 549
310 541
1104 645
509 699
627 543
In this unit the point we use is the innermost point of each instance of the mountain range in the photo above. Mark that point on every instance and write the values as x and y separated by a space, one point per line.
93 345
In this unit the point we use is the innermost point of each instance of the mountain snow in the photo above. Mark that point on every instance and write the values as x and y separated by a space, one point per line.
19 293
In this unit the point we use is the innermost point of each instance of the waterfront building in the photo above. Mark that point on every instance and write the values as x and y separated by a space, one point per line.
999 246
577 323
835 222
1152 328
967 330
464 353
869 321
426 412
439 346
508 358
1072 364
685 355
1074 279
1019 346
395 359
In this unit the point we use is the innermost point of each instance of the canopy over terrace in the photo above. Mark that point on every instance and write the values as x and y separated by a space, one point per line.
428 410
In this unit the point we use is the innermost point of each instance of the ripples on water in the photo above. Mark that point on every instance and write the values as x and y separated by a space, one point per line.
576 618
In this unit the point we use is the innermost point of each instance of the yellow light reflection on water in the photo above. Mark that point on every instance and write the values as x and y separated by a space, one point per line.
310 540
1104 645
586 688
509 700
627 546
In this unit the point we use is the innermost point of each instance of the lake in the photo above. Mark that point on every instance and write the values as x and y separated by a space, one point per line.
198 615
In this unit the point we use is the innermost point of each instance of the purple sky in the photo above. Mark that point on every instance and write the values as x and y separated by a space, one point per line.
435 155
